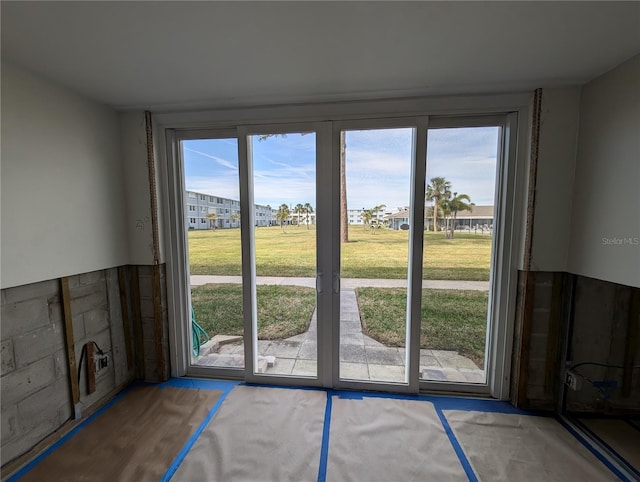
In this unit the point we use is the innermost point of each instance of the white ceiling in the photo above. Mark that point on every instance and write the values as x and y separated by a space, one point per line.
170 55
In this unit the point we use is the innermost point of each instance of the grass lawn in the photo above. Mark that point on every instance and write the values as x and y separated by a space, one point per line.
283 311
383 255
451 319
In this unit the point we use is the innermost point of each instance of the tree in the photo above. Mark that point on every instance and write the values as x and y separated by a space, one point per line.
282 215
459 202
308 210
438 190
298 210
344 218
367 216
212 218
370 217
235 216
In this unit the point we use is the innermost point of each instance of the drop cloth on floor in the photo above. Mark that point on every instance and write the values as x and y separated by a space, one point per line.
136 439
524 448
260 434
380 439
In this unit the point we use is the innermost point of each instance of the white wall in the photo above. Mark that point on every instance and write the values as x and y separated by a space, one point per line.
606 198
63 200
136 183
554 184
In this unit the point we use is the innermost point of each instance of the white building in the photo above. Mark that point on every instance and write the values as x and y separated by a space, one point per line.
199 205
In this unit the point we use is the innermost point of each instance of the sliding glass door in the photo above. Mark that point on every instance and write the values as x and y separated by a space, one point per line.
355 254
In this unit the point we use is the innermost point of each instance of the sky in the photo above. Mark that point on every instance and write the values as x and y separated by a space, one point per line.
378 164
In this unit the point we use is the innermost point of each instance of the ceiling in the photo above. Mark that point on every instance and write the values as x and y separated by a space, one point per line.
173 55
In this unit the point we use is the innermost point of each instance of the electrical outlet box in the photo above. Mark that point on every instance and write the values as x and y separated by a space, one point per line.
102 362
573 380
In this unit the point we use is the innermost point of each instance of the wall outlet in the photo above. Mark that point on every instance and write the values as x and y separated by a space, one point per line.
573 380
102 362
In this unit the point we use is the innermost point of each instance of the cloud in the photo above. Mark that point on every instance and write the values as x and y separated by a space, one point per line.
219 160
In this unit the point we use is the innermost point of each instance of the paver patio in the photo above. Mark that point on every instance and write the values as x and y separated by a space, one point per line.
361 357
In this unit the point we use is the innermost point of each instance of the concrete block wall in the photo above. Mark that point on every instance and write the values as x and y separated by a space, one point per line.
36 394
155 343
36 397
92 309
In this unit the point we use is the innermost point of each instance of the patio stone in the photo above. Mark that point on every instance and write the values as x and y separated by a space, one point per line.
305 368
473 376
429 361
350 327
284 349
386 373
283 366
352 353
308 351
433 374
368 341
354 371
352 339
384 356
454 360
453 375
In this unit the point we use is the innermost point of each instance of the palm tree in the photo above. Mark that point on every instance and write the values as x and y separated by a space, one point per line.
438 190
367 215
282 215
298 210
235 216
308 210
212 218
459 202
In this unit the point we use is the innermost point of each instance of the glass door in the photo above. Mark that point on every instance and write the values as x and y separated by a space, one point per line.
373 330
461 224
280 251
369 254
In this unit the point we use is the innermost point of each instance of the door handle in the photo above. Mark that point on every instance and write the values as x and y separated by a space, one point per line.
336 283
319 283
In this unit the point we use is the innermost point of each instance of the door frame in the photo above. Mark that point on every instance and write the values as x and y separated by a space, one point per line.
171 126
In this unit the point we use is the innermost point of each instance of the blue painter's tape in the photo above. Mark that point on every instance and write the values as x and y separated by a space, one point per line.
202 384
456 446
442 402
192 440
324 450
285 387
590 448
595 436
21 473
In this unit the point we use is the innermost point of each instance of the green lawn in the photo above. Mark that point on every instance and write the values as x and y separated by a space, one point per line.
283 311
383 255
451 319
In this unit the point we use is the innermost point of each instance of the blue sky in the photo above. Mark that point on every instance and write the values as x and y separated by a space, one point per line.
378 166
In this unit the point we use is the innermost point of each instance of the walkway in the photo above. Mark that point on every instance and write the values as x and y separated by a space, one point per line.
361 357
346 283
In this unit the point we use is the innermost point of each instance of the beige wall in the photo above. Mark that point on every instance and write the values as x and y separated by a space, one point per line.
63 198
605 228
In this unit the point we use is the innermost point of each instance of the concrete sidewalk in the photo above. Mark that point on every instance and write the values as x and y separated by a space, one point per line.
346 283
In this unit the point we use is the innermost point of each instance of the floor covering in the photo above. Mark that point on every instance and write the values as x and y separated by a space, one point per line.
195 430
